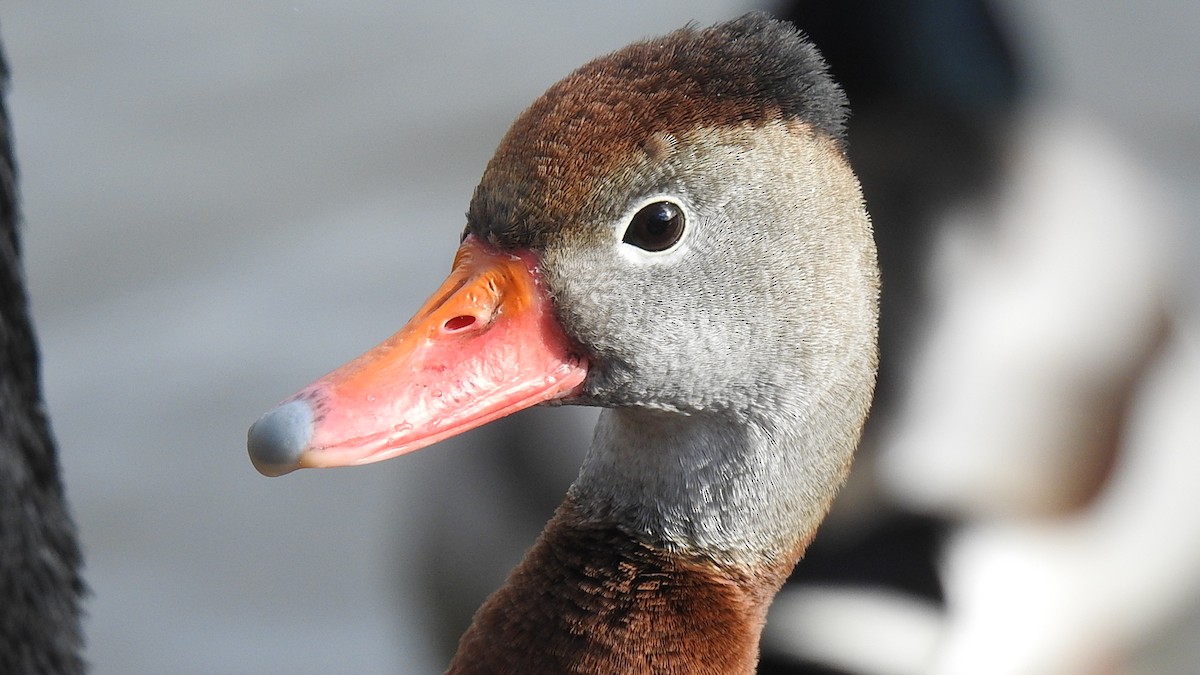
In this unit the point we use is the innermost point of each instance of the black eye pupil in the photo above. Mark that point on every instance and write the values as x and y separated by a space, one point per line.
656 227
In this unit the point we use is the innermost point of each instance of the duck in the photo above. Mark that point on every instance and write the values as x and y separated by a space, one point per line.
672 233
41 581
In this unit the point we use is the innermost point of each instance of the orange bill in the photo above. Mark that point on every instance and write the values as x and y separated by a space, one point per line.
485 345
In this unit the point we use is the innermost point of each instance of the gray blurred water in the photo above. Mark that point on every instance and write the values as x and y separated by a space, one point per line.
222 203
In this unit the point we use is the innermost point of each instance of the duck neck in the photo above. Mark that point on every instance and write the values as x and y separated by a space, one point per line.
663 558
729 488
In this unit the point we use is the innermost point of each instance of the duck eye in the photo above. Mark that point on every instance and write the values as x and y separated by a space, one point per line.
656 227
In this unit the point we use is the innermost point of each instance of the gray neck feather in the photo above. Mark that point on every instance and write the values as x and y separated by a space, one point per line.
737 492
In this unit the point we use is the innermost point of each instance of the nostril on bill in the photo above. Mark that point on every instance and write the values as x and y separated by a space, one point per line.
459 323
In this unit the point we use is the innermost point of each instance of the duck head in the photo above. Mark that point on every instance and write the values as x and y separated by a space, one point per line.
672 232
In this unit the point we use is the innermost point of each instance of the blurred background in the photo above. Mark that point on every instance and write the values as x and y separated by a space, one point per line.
223 204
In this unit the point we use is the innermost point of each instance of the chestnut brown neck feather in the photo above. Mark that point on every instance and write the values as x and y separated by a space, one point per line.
589 598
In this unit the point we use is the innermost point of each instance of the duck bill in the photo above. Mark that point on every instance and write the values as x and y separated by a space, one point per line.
485 345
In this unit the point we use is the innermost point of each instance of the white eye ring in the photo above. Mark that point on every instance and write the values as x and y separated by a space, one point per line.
656 227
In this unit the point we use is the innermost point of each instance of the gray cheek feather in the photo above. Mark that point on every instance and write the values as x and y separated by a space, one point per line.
745 364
